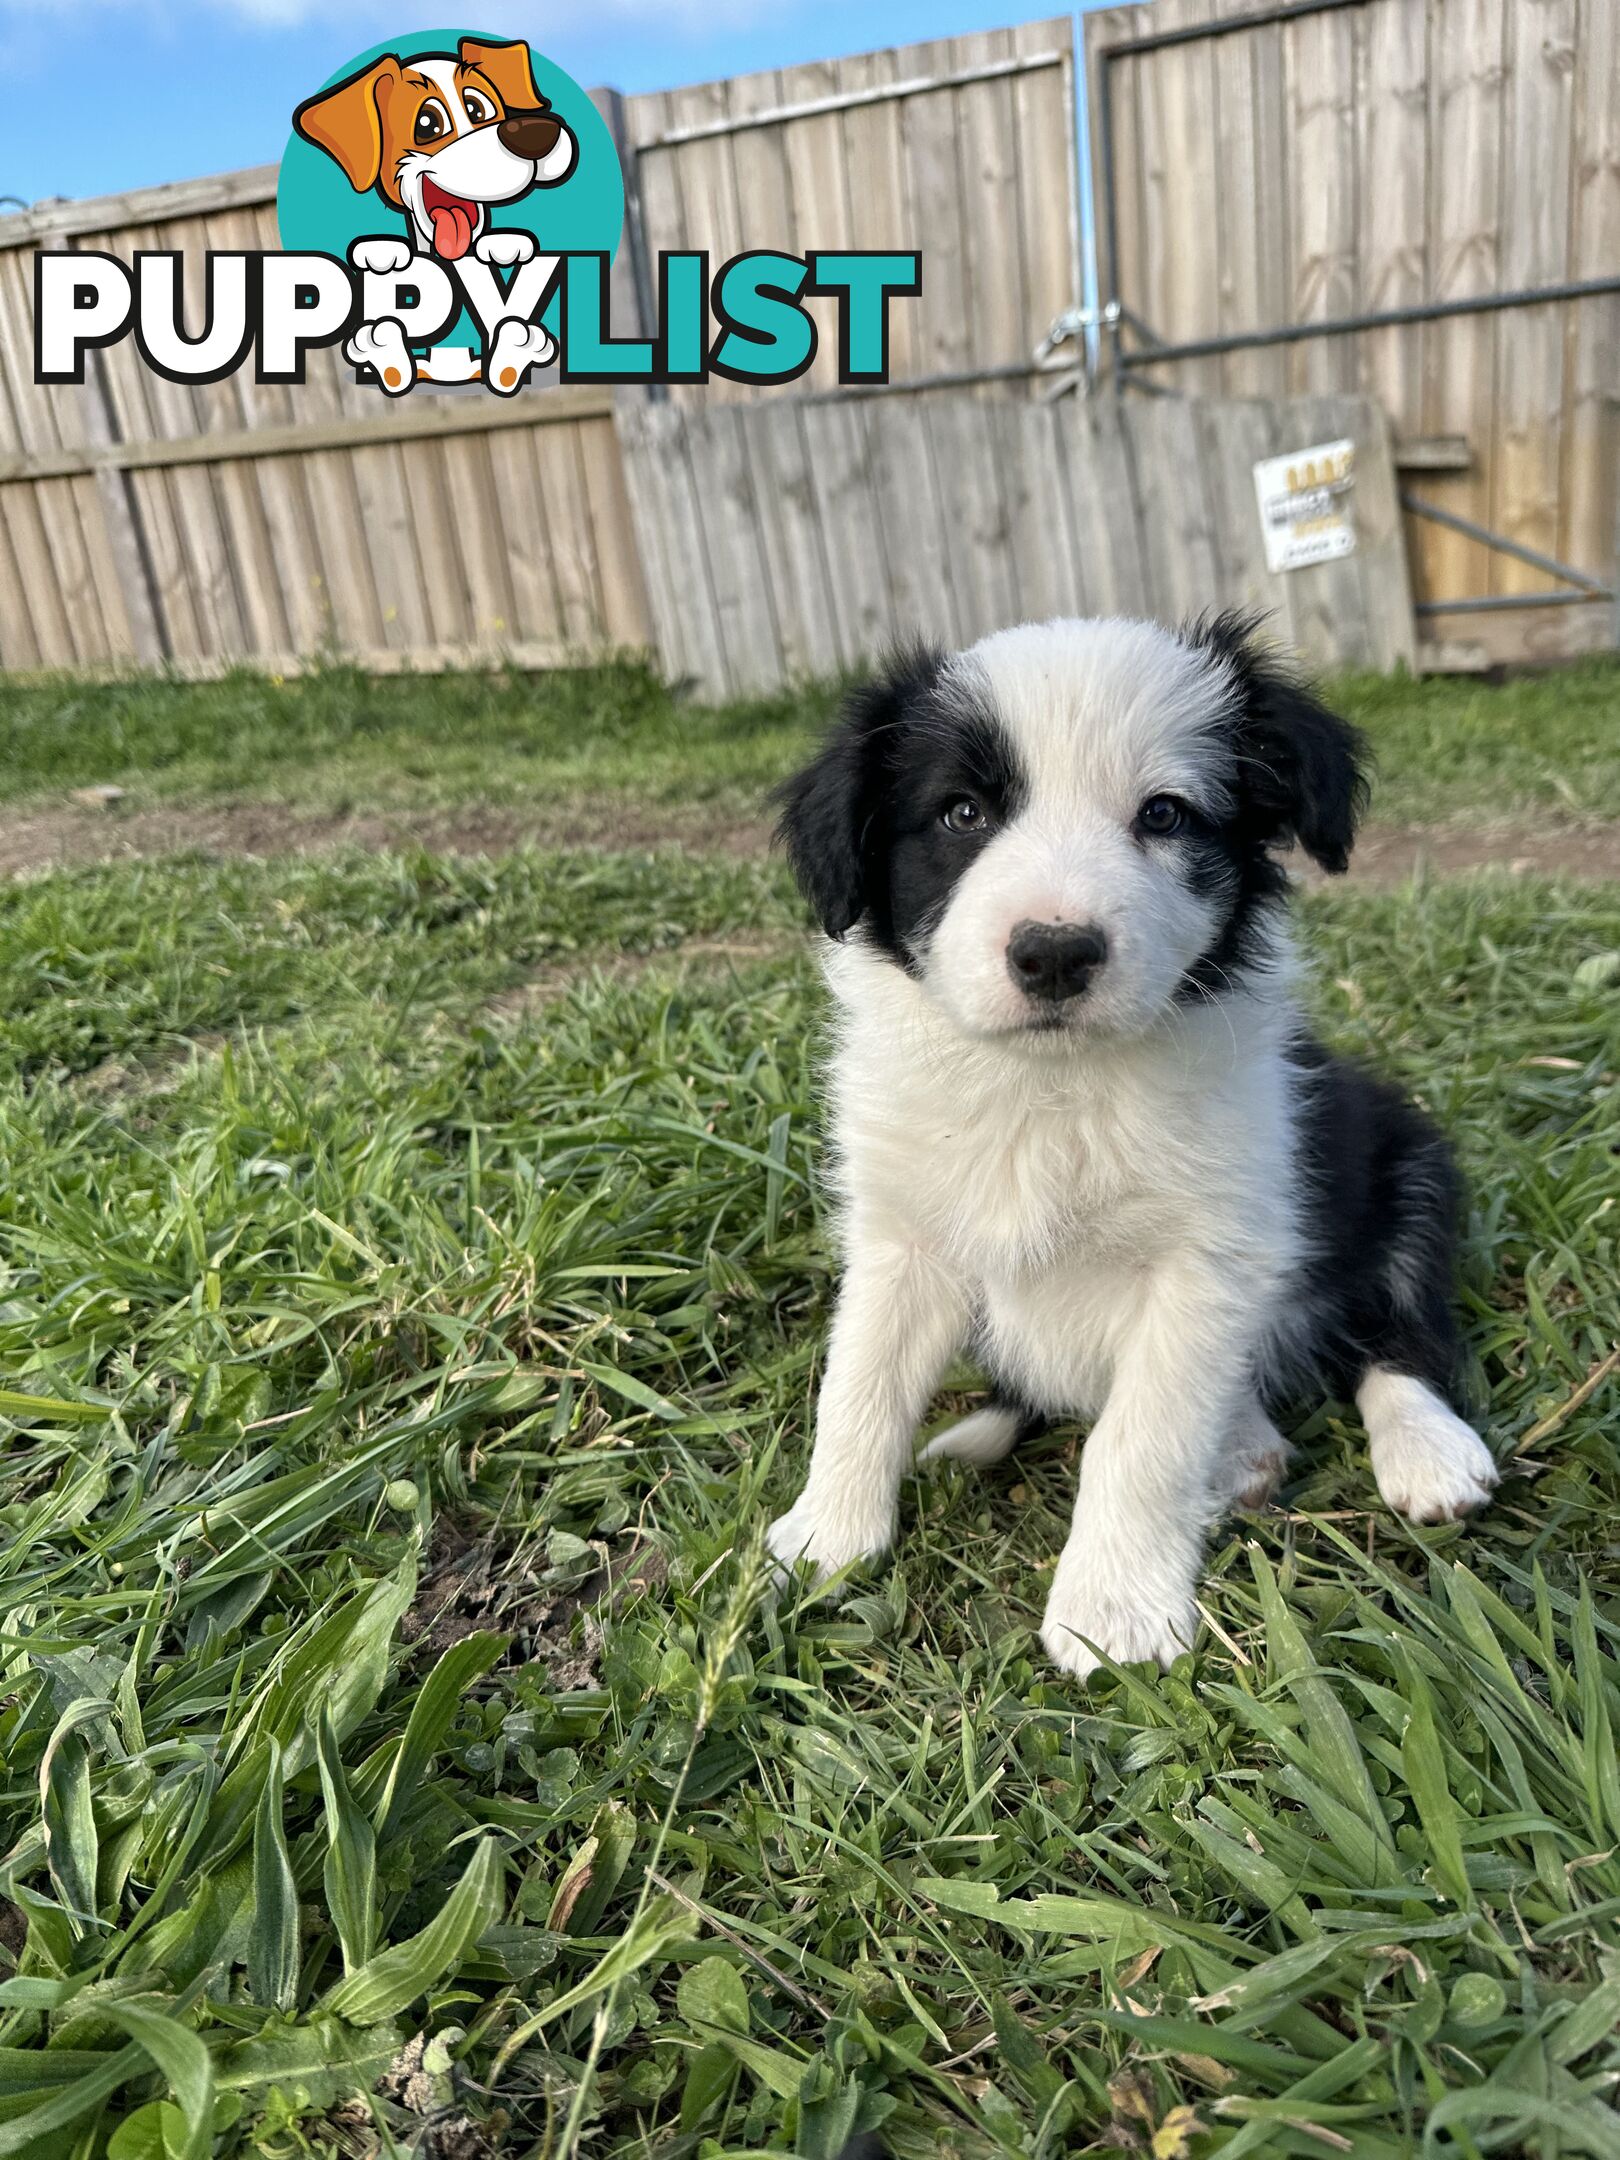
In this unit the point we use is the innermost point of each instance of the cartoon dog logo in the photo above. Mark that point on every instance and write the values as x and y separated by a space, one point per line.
440 138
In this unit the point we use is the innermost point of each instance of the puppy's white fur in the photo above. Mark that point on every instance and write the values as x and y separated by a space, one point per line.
1111 1204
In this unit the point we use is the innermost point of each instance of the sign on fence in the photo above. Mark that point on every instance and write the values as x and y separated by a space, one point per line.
1307 505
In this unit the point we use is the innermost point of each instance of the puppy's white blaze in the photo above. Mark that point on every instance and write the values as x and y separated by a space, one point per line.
1102 712
440 70
1100 716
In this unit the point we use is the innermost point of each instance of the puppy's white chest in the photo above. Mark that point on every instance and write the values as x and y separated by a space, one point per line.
1011 1193
1029 1182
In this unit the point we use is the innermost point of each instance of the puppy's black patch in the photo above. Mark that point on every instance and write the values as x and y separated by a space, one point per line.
1381 1203
864 823
1299 776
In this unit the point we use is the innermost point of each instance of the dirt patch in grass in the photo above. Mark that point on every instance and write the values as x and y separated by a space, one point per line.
1389 854
58 835
54 836
470 1584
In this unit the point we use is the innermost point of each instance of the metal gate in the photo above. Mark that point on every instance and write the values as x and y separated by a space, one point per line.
1416 198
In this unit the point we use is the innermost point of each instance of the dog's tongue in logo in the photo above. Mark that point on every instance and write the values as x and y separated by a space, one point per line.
452 220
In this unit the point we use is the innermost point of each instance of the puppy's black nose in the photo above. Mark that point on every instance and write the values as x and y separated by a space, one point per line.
530 134
1054 960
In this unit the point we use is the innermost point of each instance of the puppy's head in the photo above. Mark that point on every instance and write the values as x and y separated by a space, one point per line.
1072 826
442 135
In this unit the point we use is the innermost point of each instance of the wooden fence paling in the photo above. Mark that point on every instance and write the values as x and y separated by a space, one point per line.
1073 507
1383 155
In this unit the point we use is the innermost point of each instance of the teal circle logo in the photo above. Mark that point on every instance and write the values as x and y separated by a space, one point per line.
442 141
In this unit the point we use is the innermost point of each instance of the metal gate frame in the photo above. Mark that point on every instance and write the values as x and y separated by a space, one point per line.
1115 317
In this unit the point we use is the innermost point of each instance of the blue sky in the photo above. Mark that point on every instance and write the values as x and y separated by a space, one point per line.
111 94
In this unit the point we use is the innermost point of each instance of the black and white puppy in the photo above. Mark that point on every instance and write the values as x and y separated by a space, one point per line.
1079 1122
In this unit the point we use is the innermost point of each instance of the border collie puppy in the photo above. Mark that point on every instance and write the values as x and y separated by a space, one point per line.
1079 1122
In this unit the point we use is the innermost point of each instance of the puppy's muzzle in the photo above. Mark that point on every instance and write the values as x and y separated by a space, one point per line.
532 135
1054 961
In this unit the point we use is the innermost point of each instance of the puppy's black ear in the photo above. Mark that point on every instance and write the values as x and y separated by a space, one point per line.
1301 768
831 813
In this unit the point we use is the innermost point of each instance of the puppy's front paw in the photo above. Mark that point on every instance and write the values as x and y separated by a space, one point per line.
1254 1467
828 1538
1131 1622
1433 1468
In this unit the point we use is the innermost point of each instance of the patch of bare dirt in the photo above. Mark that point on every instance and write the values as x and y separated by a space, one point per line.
469 1584
13 1930
1389 854
52 836
69 832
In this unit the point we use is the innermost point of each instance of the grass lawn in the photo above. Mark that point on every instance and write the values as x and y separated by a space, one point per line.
402 1350
568 744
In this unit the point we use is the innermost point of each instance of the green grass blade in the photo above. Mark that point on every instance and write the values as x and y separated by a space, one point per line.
351 1856
72 1843
393 1979
1425 1766
273 1949
436 1704
184 2061
38 2120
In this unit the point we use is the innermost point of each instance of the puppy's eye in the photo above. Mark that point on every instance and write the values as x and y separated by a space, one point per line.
432 122
1161 815
965 816
478 109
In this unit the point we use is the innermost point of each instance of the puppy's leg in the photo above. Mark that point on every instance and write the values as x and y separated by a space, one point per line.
1428 1463
984 1436
1150 1476
900 1319
1256 1457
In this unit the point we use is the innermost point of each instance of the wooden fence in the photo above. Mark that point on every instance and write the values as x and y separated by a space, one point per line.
800 536
1387 154
1380 152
